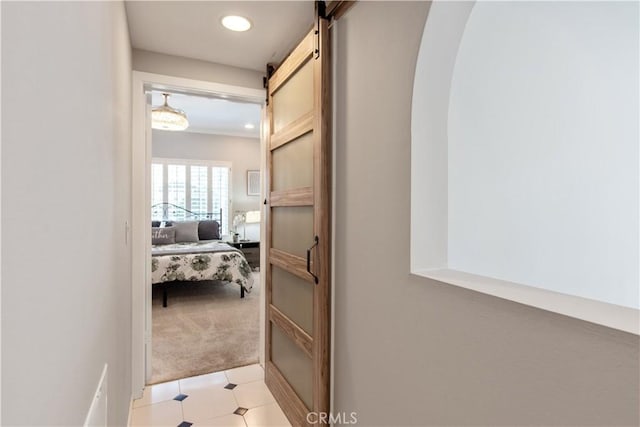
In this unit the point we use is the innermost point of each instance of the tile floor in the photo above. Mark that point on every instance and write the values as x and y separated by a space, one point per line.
235 398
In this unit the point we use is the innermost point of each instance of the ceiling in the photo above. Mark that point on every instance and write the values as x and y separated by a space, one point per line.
214 115
192 29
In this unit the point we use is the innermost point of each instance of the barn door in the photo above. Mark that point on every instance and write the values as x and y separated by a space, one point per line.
298 230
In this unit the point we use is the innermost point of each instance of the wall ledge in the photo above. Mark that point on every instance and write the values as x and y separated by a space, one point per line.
610 315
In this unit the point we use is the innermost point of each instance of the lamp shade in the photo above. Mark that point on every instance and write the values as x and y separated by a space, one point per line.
252 217
168 118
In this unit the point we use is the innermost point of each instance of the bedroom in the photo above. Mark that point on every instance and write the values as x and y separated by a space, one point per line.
200 199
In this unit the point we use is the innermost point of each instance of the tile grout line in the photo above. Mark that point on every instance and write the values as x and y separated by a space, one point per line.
232 391
181 402
265 404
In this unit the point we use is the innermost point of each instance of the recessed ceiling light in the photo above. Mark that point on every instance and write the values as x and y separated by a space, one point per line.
236 23
249 126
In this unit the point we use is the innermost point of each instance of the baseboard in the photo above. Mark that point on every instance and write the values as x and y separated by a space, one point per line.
97 415
130 411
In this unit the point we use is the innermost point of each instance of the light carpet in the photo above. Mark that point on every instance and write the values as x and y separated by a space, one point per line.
206 328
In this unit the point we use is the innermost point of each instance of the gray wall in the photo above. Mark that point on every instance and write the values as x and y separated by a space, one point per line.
158 63
66 144
243 153
410 351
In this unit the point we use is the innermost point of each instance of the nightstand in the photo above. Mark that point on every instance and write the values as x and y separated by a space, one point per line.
251 251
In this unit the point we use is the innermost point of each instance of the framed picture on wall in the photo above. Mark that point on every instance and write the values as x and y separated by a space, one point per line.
253 183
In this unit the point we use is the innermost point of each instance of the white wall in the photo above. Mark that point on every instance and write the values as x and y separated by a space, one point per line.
66 141
543 148
412 351
525 156
429 152
244 153
158 63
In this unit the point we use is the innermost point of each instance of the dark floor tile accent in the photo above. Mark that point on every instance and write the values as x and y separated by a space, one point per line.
185 424
231 386
240 411
180 397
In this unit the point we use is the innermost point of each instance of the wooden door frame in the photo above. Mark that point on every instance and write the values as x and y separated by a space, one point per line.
322 193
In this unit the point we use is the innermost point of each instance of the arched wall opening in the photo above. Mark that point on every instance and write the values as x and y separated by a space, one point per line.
525 177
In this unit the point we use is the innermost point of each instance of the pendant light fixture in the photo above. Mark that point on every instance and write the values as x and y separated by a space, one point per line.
168 118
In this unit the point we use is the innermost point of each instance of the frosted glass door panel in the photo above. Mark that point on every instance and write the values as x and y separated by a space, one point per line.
294 365
293 164
294 297
294 98
292 229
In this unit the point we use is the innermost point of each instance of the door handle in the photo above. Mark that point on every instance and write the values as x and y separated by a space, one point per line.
315 243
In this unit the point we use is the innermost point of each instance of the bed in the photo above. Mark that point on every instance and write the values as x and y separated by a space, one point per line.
189 250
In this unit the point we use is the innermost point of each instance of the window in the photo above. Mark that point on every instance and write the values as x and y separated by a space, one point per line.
157 184
220 187
199 186
176 189
199 189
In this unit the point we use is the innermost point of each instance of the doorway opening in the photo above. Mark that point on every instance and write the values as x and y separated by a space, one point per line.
205 278
197 176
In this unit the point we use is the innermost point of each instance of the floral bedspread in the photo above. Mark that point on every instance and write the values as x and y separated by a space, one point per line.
206 261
